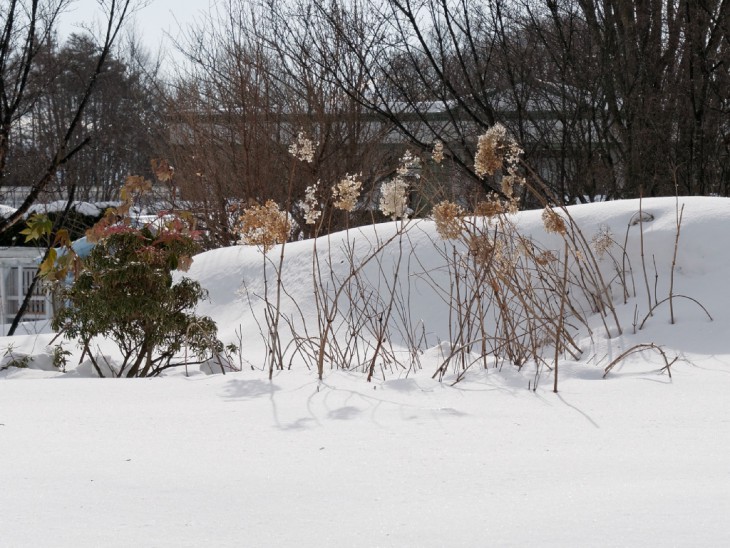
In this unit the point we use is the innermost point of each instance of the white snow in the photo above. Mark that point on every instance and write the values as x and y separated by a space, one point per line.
83 208
635 459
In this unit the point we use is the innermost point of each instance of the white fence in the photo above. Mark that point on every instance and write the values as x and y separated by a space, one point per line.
18 266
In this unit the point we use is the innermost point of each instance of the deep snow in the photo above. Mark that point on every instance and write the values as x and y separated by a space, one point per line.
635 459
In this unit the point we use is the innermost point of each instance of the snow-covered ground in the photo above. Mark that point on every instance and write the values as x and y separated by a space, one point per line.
635 459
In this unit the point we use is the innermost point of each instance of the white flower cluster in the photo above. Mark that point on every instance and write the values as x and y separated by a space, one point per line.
310 206
346 193
602 241
303 148
394 199
409 165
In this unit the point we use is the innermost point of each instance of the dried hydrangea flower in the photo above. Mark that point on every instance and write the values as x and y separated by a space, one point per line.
310 206
602 241
409 165
264 225
346 193
394 199
553 222
438 152
448 218
303 148
489 156
491 207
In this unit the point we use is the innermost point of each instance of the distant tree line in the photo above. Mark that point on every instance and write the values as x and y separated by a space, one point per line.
614 98
67 113
609 98
120 121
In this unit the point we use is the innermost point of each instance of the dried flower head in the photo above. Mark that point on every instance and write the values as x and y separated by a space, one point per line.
510 182
512 156
394 199
409 165
508 185
438 152
303 148
162 169
481 247
264 225
346 193
491 207
505 258
448 218
545 257
310 205
490 154
553 222
602 241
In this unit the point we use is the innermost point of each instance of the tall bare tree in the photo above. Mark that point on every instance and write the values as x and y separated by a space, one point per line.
610 97
248 89
27 27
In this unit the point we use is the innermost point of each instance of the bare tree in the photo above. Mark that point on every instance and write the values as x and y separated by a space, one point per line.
609 97
27 26
249 89
121 120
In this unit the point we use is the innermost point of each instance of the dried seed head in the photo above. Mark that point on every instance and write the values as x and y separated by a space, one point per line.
510 182
545 257
346 193
553 222
264 225
394 199
448 218
409 165
490 151
310 206
512 156
602 241
303 148
491 207
481 247
438 152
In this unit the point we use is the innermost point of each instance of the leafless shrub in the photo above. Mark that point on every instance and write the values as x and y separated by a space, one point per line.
511 300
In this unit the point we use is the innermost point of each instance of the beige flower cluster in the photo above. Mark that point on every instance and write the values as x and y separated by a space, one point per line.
303 148
496 149
264 225
310 206
409 165
346 193
437 154
553 222
602 241
394 199
490 153
448 219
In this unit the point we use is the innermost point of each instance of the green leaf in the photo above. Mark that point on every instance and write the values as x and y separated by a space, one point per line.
38 226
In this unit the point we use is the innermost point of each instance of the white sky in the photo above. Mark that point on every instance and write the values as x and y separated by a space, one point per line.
153 23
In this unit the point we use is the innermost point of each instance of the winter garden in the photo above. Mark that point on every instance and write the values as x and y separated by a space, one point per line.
559 361
423 274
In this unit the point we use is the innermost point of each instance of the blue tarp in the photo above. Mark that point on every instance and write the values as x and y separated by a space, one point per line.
82 247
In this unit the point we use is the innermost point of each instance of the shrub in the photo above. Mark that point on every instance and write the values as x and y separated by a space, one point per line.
125 293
